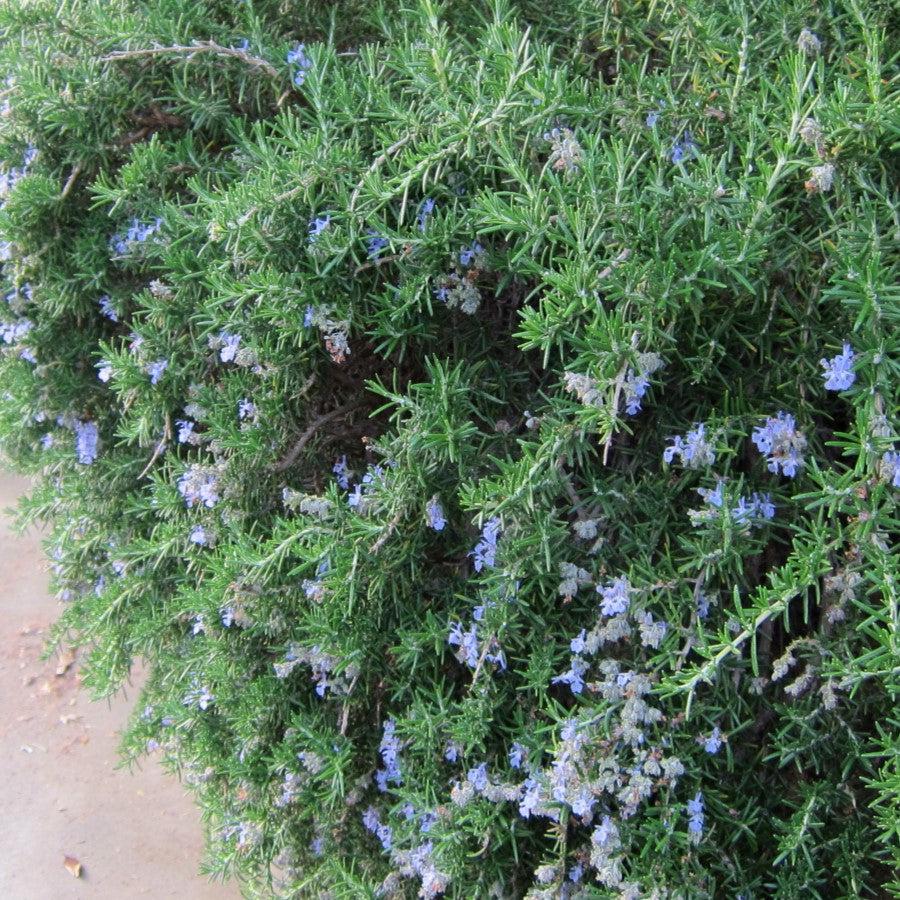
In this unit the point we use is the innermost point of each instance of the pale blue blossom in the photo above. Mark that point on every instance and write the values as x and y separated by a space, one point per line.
839 374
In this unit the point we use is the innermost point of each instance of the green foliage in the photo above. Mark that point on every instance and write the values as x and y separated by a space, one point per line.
485 261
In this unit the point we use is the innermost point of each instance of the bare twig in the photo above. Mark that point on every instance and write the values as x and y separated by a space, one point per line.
194 49
377 164
379 262
290 457
70 181
160 447
614 264
388 531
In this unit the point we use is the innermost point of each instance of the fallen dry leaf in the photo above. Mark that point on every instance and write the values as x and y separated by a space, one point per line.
73 866
66 658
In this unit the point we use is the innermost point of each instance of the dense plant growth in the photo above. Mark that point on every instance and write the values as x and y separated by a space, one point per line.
482 419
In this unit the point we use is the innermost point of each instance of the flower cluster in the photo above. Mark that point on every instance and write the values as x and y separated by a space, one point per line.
201 485
301 62
86 441
125 242
471 648
566 154
782 443
484 552
323 665
694 449
637 381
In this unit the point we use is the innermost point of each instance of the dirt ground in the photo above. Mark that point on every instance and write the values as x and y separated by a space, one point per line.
135 834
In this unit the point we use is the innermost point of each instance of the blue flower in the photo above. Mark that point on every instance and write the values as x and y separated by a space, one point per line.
471 253
185 430
424 214
435 513
839 374
652 118
577 644
715 497
485 551
574 676
375 244
781 442
308 316
615 596
107 308
297 57
713 743
317 226
229 345
695 816
86 440
155 369
694 449
478 777
246 409
341 473
890 468
516 755
683 149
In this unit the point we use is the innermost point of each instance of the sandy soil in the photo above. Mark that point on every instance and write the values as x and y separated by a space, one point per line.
135 834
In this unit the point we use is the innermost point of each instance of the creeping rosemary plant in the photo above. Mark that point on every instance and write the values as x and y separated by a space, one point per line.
481 417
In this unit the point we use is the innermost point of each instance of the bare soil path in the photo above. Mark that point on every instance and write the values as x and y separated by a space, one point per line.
135 834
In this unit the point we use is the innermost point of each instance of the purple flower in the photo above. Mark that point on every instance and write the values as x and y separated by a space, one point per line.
470 254
577 644
452 751
341 473
47 441
694 449
317 226
890 468
695 816
782 443
516 755
185 430
531 798
107 308
155 370
297 57
683 149
485 551
467 641
478 778
425 211
104 370
229 345
86 440
839 374
435 513
574 677
199 484
199 536
714 497
615 596
652 118
375 244
390 752
713 743
246 409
